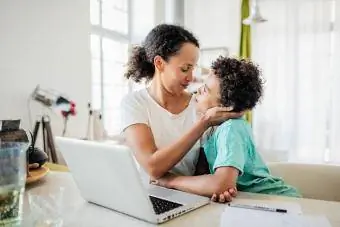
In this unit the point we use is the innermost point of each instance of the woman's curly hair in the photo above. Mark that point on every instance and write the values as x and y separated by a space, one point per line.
164 40
241 83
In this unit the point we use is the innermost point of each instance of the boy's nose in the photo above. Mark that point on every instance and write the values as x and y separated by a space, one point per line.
199 90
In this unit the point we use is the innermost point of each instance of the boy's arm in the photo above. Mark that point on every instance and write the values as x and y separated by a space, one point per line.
228 166
205 185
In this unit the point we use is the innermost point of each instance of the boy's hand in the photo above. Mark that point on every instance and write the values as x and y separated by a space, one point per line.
163 181
226 196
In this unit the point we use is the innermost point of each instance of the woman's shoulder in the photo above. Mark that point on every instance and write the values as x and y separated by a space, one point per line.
135 97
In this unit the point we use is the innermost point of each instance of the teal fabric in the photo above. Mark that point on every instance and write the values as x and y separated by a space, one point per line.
232 145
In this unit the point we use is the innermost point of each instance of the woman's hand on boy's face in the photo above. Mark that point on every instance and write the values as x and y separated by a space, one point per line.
217 115
225 197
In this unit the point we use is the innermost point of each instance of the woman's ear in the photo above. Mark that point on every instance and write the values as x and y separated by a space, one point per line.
159 63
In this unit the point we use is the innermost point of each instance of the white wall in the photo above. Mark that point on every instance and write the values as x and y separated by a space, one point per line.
160 11
154 12
216 22
143 20
45 42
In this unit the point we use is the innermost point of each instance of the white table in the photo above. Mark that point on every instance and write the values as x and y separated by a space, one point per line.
86 215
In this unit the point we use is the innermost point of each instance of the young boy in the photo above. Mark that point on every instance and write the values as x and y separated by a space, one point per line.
229 148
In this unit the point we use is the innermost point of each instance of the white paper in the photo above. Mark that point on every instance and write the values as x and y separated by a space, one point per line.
241 217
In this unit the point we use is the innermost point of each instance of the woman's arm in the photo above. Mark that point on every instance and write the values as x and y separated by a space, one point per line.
159 161
205 185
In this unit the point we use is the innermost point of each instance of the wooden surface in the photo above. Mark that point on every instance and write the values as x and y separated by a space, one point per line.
77 212
57 167
37 174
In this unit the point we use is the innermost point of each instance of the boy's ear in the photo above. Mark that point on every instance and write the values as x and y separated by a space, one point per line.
229 108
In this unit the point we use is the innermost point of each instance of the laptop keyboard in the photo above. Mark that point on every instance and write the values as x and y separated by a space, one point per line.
161 205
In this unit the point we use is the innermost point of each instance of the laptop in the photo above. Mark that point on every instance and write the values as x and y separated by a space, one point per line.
107 175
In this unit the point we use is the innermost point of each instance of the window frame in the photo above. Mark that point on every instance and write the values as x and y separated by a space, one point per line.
101 32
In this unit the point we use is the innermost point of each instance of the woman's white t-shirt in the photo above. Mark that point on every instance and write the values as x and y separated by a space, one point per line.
140 107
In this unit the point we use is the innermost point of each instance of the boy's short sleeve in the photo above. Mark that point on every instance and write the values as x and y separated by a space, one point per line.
231 150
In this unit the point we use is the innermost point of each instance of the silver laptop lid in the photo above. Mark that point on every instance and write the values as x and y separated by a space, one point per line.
106 175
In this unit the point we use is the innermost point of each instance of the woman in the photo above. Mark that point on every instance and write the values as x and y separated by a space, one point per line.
159 122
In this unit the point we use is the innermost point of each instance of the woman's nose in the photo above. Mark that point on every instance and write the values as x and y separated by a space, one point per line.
190 77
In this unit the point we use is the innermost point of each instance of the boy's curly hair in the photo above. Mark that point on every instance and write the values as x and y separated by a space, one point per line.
241 83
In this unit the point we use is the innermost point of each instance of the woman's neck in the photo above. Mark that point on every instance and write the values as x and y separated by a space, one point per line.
163 96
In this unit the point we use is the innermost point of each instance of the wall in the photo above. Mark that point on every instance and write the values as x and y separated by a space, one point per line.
143 20
154 12
216 22
47 43
174 11
160 11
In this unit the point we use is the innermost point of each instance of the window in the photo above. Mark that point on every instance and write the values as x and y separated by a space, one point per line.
114 15
109 50
295 51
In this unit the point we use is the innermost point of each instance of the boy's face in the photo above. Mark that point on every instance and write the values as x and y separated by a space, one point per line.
208 95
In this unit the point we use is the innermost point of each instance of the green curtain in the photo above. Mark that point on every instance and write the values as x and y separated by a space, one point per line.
245 42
